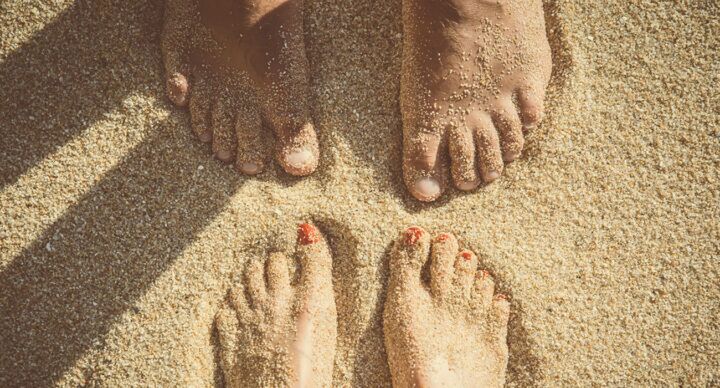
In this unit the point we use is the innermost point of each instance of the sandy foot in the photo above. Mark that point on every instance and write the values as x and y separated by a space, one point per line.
450 332
237 63
273 332
474 78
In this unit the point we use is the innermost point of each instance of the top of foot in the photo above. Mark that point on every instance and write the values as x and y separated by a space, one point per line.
450 332
474 78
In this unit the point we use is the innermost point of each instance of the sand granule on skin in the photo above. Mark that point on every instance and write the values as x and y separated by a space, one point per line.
120 235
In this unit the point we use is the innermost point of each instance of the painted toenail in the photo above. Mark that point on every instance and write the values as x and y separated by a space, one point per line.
443 237
429 188
413 235
467 186
483 274
205 137
299 158
224 155
250 168
466 255
501 297
308 234
491 176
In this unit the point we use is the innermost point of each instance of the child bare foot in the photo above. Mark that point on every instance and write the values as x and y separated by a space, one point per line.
450 332
237 63
274 333
466 64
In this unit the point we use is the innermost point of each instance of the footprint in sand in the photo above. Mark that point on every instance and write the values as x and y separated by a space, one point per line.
238 64
451 332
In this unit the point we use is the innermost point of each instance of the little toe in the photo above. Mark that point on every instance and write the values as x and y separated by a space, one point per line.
410 252
250 145
463 160
531 101
487 143
465 269
224 139
509 128
228 327
443 252
298 151
499 316
200 111
422 171
255 283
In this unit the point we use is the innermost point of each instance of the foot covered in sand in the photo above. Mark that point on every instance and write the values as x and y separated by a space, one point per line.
274 332
450 332
238 64
473 81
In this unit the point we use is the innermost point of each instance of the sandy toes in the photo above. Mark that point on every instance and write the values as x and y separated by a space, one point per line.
473 79
285 331
237 64
450 332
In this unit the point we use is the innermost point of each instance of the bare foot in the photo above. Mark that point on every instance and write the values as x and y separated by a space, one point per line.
450 332
237 63
466 64
277 334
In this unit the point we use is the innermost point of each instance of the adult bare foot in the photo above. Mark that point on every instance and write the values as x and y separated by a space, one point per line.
450 332
236 63
465 65
273 333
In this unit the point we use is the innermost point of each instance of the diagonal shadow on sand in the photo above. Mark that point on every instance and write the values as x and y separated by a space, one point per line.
68 75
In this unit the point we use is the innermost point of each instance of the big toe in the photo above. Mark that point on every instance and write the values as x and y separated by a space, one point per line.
410 253
178 87
422 171
298 151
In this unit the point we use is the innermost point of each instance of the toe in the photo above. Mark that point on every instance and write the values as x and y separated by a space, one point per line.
422 169
483 290
173 45
200 111
465 269
462 156
278 275
314 256
531 101
489 157
224 139
443 252
250 144
509 128
410 253
255 281
297 150
499 316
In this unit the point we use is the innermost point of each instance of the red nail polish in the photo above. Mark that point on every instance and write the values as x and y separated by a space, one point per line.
482 274
442 237
412 235
308 234
466 255
501 297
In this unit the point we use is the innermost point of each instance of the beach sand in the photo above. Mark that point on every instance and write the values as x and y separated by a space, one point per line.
120 235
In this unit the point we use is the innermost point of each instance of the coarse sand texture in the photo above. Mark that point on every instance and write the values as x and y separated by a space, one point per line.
122 235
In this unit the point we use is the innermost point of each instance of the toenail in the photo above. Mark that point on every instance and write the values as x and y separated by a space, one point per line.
429 188
483 274
466 255
443 237
224 155
529 127
412 235
510 156
491 176
467 186
250 168
177 87
299 158
205 137
308 234
501 297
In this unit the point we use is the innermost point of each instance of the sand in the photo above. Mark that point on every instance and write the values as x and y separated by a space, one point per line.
120 235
